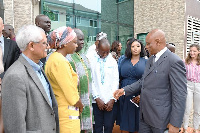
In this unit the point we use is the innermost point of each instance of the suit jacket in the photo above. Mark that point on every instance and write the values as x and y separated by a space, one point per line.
25 105
163 91
11 54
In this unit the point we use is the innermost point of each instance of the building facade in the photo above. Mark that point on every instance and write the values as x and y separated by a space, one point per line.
176 18
120 19
74 15
117 20
20 12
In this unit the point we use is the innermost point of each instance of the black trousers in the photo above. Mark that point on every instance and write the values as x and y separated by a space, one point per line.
104 120
145 128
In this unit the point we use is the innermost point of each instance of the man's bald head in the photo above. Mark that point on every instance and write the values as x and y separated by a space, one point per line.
78 31
80 39
43 22
104 42
158 35
171 47
155 41
103 48
8 31
8 26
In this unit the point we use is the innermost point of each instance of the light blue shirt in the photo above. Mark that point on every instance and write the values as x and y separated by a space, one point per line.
105 77
37 69
2 43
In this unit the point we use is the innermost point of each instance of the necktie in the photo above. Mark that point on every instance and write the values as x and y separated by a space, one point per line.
154 57
1 60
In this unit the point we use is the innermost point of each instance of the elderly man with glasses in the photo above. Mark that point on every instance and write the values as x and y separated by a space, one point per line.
28 102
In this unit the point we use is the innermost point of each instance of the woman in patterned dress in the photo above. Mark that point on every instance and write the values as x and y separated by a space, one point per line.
80 65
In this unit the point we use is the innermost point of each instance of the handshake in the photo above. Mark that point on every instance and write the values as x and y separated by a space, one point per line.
118 93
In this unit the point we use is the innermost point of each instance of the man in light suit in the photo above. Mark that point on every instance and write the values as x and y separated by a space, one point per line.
163 88
28 102
10 53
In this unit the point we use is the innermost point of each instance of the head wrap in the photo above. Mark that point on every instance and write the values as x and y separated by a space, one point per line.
100 36
60 36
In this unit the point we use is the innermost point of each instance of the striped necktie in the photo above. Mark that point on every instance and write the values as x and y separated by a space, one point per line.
1 59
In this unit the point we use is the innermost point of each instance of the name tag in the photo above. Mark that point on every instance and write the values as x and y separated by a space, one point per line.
73 108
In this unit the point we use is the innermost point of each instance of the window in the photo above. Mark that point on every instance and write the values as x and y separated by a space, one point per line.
68 18
94 38
93 23
90 38
193 31
119 1
78 19
99 15
55 15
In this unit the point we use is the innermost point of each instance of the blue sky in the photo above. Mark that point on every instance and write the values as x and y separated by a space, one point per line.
90 4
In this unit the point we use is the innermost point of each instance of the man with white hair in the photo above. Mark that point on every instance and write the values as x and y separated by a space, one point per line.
28 102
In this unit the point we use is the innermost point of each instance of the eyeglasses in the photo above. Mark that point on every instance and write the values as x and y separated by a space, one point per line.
44 43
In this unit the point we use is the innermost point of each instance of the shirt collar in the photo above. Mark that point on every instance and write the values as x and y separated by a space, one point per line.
36 67
160 53
99 58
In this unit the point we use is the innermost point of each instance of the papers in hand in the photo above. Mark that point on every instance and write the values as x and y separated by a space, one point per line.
134 103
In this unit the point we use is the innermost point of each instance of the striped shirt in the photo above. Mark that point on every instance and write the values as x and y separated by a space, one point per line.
193 72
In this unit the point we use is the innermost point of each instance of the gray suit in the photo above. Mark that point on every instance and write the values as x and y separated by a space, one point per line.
25 105
163 91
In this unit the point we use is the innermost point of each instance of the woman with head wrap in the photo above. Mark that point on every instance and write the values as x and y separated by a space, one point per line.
63 79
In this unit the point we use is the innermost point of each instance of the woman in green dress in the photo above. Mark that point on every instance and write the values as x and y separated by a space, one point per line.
80 65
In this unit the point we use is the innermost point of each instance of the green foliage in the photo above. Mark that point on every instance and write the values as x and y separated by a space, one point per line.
48 12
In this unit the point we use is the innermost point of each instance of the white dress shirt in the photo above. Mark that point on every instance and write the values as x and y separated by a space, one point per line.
105 77
160 53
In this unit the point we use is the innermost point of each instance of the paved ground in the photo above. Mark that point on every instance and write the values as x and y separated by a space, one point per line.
116 128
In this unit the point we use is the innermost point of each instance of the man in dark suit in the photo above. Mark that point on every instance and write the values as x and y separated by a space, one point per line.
163 88
43 22
10 50
8 32
28 102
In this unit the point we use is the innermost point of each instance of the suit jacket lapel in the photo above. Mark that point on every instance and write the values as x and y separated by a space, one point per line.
7 44
150 67
157 63
35 78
